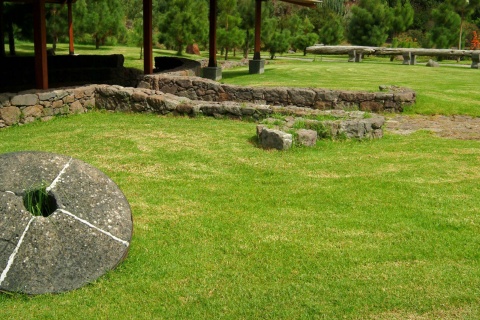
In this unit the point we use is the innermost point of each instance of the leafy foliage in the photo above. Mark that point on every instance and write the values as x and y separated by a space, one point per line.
184 23
101 19
446 23
370 23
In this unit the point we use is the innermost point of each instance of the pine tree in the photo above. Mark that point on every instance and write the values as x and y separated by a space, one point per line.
370 23
100 19
184 22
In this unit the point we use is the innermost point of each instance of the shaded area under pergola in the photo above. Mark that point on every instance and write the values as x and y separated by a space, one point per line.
40 35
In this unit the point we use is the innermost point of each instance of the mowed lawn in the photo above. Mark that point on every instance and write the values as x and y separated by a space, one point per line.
384 229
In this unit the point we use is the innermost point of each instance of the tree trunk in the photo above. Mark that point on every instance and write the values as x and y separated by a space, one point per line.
460 36
11 39
226 53
245 51
97 42
54 44
141 52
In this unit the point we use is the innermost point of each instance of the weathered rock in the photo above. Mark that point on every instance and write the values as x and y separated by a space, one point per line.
301 97
25 100
10 115
193 49
33 111
275 139
86 234
307 137
432 64
76 107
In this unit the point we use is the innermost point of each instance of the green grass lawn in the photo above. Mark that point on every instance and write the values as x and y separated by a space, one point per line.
384 229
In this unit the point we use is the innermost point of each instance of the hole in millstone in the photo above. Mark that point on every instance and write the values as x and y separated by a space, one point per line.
39 202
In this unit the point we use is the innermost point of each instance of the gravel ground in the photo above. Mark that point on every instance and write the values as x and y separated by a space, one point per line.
455 127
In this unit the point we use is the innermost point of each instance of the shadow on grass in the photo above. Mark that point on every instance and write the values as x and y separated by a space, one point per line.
253 140
235 74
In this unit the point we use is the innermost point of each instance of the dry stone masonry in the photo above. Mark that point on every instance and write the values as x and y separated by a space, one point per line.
320 99
305 128
194 96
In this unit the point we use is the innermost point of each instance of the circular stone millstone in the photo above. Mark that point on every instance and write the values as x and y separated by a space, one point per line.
87 234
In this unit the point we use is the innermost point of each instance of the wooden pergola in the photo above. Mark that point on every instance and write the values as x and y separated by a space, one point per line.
38 7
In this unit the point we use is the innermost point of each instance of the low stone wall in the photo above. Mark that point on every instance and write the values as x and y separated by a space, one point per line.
196 88
28 106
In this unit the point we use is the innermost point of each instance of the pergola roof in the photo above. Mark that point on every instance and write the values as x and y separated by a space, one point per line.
305 3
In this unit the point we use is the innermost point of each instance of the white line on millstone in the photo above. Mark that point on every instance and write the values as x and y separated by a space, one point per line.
10 192
54 183
94 227
14 253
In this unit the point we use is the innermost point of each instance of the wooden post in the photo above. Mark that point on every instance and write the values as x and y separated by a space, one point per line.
71 50
2 31
258 27
147 37
212 61
40 39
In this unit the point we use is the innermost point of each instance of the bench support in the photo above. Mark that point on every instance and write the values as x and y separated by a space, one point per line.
354 56
475 60
409 58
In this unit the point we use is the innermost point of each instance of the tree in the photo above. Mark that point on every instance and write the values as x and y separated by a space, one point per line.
279 43
183 23
305 36
57 22
229 34
464 8
446 23
402 17
370 23
327 19
246 9
101 19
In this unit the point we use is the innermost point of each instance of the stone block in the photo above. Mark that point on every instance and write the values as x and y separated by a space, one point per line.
306 137
475 60
10 115
212 73
33 111
275 139
69 99
25 100
301 97
76 107
256 66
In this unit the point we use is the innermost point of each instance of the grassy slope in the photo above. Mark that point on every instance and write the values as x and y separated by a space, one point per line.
385 229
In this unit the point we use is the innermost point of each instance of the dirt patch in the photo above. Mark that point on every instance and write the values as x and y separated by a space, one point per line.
454 127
